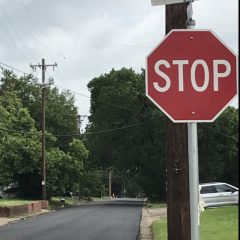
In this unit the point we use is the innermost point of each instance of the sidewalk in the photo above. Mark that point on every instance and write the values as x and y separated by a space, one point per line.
4 220
148 216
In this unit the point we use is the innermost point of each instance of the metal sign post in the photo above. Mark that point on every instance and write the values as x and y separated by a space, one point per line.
193 180
193 159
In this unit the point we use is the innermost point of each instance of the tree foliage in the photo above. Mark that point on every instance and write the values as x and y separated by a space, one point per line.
127 133
20 138
125 136
218 148
61 113
133 147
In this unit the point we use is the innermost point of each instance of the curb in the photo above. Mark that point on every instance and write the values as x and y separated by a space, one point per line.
7 221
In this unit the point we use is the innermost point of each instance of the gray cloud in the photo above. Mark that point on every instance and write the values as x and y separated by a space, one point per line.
88 38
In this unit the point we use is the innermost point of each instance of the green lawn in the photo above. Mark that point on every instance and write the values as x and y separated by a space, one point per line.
156 205
13 202
68 201
216 224
101 198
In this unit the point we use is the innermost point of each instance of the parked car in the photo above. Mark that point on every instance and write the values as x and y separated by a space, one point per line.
218 194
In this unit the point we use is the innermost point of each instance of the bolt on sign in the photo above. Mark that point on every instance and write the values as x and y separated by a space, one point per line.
191 76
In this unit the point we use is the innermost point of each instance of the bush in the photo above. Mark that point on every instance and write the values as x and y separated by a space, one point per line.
86 192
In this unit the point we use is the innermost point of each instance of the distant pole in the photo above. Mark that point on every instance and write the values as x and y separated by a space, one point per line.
44 196
43 66
178 206
110 182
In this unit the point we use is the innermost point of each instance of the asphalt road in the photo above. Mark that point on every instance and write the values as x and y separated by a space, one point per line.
118 219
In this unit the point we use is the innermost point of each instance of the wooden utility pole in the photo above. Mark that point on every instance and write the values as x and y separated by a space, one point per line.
178 206
43 67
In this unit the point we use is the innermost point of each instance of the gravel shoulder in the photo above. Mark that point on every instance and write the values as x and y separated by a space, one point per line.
148 216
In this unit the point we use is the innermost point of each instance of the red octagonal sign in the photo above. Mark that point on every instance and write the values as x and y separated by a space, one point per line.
191 76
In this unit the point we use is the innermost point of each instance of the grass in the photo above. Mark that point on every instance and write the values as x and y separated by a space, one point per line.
156 205
216 224
55 202
13 202
219 223
159 229
101 198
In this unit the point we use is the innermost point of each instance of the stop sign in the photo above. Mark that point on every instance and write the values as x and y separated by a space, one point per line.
191 76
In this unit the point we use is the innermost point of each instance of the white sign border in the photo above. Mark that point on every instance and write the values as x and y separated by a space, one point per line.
187 120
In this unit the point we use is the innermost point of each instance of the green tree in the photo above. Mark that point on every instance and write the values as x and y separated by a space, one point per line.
20 142
127 133
218 148
136 147
91 183
19 156
61 114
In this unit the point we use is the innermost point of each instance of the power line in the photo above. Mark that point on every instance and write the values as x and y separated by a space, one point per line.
224 134
119 128
229 120
89 35
38 37
13 68
13 42
110 104
19 132
112 130
91 133
81 94
16 32
84 95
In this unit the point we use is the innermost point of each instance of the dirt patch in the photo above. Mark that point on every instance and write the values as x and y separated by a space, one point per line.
148 216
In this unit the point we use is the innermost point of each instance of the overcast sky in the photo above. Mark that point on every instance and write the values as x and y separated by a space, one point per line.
87 38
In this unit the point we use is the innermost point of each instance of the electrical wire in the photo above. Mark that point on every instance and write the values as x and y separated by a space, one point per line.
13 42
89 35
16 32
16 69
81 94
38 38
229 120
19 132
108 131
109 104
226 135
91 133
13 68
84 95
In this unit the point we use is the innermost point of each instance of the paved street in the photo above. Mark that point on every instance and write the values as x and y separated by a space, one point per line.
118 219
